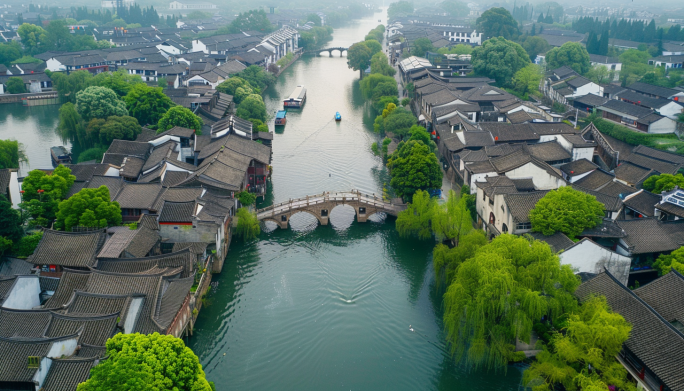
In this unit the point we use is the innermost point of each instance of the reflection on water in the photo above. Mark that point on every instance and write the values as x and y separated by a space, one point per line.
329 308
35 128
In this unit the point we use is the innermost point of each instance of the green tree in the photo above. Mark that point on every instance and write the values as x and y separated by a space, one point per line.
248 227
663 182
498 22
455 8
252 107
535 45
88 208
369 86
599 74
358 57
667 262
246 198
238 87
11 154
257 77
566 210
527 79
413 167
451 220
180 116
99 102
71 125
399 122
255 20
89 154
399 8
119 128
583 355
416 219
499 59
27 245
15 85
380 64
147 362
314 18
147 104
10 221
120 81
374 46
446 259
31 37
421 46
571 54
498 293
9 52
43 192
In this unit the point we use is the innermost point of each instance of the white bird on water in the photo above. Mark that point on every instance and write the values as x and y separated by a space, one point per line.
410 328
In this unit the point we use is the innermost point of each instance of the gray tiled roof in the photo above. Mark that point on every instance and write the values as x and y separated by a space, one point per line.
195 247
549 151
95 329
112 183
91 303
643 202
610 203
671 208
177 212
138 195
658 154
132 148
138 242
174 293
14 355
615 189
557 241
520 204
131 167
651 89
632 173
66 375
158 154
625 108
664 167
578 167
595 180
179 194
651 236
658 344
181 258
23 324
68 283
69 249
664 295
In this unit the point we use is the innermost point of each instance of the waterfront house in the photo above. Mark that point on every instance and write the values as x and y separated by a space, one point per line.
75 250
655 348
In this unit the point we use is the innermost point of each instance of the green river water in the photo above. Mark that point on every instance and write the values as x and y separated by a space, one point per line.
329 308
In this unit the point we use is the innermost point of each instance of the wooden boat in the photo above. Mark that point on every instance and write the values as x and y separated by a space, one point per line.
281 118
338 117
296 99
60 155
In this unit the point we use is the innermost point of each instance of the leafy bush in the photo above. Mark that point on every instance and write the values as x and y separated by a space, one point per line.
27 245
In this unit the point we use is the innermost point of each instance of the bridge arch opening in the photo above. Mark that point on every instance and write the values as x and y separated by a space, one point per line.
304 221
268 225
377 217
342 216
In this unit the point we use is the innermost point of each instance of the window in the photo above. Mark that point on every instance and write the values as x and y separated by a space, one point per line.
504 228
492 218
523 226
33 361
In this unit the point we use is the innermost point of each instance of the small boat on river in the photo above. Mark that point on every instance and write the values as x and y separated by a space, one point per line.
296 99
338 117
281 118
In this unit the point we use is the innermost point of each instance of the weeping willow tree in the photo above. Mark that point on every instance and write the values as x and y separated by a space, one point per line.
451 220
497 295
248 225
593 337
446 260
415 220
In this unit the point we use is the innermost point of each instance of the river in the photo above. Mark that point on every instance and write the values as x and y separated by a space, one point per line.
329 308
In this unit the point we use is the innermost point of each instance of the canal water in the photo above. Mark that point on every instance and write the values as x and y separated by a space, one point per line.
329 308
34 127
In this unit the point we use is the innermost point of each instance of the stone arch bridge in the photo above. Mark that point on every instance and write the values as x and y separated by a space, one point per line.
330 51
320 206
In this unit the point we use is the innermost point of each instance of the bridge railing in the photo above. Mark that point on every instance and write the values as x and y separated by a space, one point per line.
351 196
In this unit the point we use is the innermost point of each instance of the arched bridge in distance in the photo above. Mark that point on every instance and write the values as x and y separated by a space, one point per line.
330 51
320 206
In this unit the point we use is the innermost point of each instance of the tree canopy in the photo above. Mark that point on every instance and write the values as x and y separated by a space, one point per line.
499 59
416 219
257 77
571 54
667 262
527 79
535 45
566 210
421 46
150 362
398 122
359 56
455 8
99 102
88 208
583 355
414 167
179 116
254 20
238 87
15 85
31 36
663 182
113 128
399 8
498 22
11 154
380 64
147 104
10 221
498 293
43 192
248 226
252 107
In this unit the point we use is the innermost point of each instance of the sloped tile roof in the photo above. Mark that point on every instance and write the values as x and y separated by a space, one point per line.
195 247
643 202
615 189
96 329
14 355
595 180
671 208
68 283
664 295
520 204
66 375
112 183
174 293
23 324
548 151
557 241
658 154
664 167
653 339
92 303
578 167
131 167
181 258
651 236
177 212
632 173
68 249
138 195
132 148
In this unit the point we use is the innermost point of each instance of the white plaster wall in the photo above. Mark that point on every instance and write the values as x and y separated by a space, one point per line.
590 88
25 294
479 178
41 373
583 153
132 316
14 189
586 256
64 348
671 110
542 180
111 171
576 178
54 65
665 125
